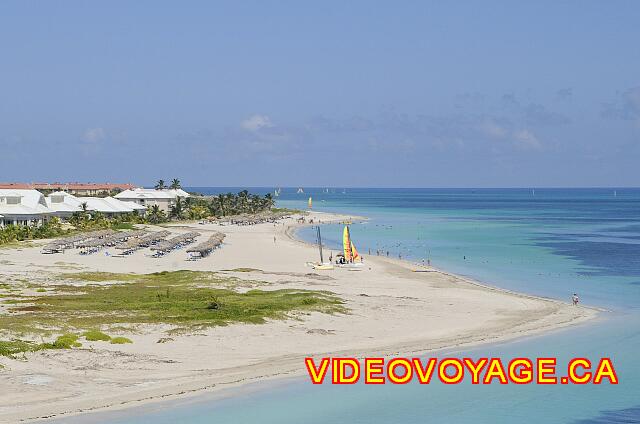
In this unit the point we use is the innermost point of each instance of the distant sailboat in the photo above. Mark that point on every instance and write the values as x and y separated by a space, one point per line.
276 193
300 190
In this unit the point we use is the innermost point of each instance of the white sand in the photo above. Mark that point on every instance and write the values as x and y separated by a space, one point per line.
394 311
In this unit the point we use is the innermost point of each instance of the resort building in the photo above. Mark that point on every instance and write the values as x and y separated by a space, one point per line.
63 205
164 199
22 207
78 189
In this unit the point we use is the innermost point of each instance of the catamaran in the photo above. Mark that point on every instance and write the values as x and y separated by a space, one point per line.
322 264
351 255
300 190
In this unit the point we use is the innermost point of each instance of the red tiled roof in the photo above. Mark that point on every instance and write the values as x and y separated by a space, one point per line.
20 186
68 186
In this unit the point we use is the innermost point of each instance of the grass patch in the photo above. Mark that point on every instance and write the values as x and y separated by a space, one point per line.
95 335
41 290
242 270
181 298
66 341
14 347
123 226
16 244
120 340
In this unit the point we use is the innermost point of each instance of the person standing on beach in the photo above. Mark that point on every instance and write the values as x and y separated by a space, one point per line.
575 299
274 239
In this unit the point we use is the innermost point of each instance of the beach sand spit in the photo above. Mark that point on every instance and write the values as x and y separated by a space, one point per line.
393 311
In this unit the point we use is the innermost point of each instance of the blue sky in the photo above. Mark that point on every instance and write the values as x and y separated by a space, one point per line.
410 94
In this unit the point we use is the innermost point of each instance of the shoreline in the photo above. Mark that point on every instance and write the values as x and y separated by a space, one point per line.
291 230
280 367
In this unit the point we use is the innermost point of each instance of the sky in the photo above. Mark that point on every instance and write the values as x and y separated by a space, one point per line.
330 93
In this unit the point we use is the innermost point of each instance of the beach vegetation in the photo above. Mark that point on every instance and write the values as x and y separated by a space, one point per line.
227 204
155 215
186 299
123 226
66 341
11 348
96 335
243 269
82 221
120 340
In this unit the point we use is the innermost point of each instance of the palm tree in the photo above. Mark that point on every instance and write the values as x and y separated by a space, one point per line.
175 184
160 185
155 215
177 209
268 201
221 203
231 203
243 198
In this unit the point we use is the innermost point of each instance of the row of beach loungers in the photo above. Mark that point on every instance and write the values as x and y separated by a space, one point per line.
88 247
128 242
205 248
149 239
164 247
245 219
72 242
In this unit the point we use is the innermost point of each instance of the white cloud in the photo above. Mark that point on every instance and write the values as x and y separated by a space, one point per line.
94 135
527 139
256 123
493 130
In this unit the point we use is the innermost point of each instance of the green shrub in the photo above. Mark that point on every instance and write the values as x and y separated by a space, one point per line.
11 348
66 341
95 335
120 340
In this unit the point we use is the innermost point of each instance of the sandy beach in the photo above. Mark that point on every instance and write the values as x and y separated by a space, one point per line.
392 311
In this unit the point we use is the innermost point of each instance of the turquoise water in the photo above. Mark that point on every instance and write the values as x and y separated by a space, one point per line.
552 243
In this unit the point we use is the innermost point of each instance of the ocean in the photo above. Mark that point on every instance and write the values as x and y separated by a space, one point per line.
547 242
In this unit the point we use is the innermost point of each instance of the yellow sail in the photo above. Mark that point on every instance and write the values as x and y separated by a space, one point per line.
310 202
346 244
354 253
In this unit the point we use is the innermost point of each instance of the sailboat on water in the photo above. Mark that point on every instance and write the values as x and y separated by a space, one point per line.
300 190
